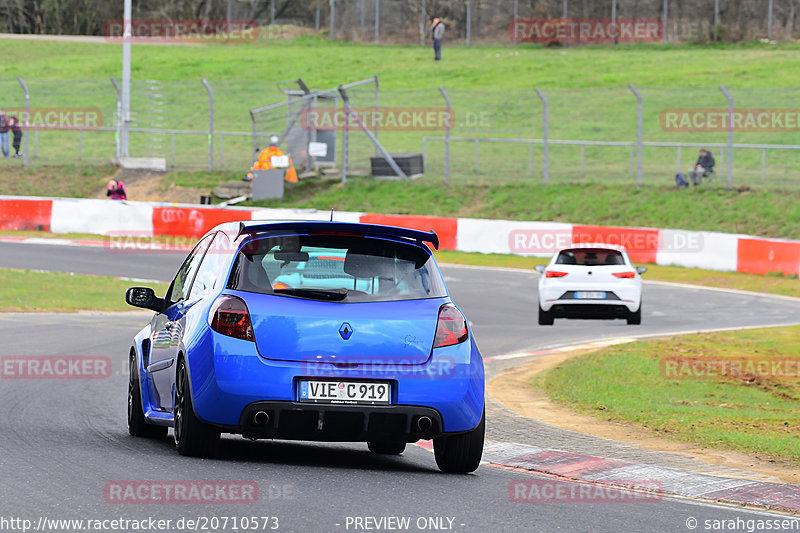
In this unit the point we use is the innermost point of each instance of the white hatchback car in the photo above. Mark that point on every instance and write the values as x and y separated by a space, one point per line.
590 281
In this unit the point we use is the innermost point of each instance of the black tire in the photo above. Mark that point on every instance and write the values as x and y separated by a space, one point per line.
634 319
460 454
137 425
192 437
391 447
545 317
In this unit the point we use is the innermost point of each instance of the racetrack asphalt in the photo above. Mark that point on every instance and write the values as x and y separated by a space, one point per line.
63 440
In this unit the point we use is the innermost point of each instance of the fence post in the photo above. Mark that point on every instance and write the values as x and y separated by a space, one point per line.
446 136
516 16
117 121
27 117
614 16
333 16
716 19
210 123
664 19
377 110
345 143
545 135
769 24
469 23
423 18
636 93
377 21
730 134
763 165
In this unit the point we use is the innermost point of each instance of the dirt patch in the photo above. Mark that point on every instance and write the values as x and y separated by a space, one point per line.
513 389
146 186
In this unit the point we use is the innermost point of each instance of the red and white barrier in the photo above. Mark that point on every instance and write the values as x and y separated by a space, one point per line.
696 249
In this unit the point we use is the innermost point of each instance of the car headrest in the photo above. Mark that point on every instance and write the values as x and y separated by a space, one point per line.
362 265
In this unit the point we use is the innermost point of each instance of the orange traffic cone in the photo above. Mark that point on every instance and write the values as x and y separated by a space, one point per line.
291 175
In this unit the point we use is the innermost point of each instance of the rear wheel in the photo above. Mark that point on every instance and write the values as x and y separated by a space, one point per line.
387 447
545 317
635 318
460 454
137 425
192 437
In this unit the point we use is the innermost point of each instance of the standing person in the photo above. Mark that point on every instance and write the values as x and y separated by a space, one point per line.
437 32
702 168
4 134
13 124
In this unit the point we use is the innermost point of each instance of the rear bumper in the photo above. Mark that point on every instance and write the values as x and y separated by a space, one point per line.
229 379
332 423
607 310
625 296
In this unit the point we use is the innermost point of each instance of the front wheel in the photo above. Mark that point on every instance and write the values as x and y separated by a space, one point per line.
137 425
192 437
460 454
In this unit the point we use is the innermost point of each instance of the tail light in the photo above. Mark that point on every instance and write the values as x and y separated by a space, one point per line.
629 275
554 274
229 316
451 328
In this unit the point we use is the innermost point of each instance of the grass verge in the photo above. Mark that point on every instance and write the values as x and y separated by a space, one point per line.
755 410
30 291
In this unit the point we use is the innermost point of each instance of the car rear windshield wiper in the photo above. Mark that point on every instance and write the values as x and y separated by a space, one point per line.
333 295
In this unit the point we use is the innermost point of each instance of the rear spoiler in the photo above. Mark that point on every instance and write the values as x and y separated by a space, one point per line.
254 227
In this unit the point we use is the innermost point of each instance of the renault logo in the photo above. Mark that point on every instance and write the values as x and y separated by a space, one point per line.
345 330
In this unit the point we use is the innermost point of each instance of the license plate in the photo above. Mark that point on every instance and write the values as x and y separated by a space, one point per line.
590 295
346 392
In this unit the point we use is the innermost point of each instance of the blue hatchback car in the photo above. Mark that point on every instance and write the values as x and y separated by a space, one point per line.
323 331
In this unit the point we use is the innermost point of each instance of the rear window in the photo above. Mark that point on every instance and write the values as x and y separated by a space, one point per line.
590 257
336 268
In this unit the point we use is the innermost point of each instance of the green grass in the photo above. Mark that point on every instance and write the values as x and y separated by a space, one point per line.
758 414
770 213
322 63
587 88
29 291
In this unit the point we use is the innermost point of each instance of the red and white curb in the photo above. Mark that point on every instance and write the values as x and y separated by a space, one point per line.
695 249
639 476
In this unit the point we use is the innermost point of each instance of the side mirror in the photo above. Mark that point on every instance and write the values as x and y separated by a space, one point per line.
540 268
641 270
144 297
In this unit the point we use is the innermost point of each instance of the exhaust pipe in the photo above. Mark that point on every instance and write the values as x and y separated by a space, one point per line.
261 418
424 423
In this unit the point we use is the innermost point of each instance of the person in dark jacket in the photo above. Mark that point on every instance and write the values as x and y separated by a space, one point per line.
16 130
703 167
437 32
4 128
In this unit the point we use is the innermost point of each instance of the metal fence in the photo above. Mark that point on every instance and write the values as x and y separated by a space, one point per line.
488 136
